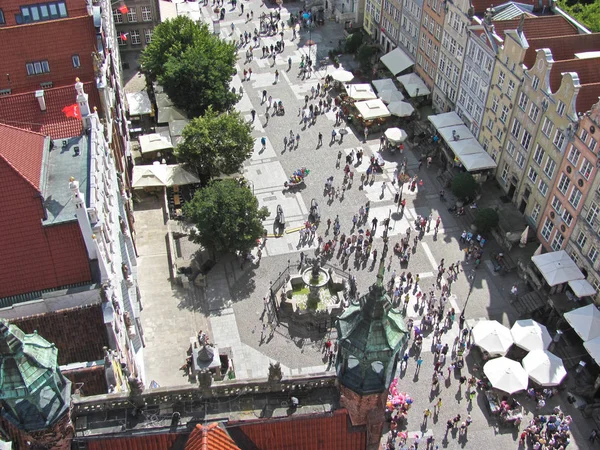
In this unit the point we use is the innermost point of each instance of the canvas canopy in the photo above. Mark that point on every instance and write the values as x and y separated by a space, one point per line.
162 175
397 61
342 75
413 85
582 288
385 84
557 267
389 96
593 348
362 91
492 336
139 103
585 321
530 335
401 109
545 368
154 142
396 134
372 109
506 374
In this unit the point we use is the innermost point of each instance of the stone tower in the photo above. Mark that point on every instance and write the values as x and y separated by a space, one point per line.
370 334
34 395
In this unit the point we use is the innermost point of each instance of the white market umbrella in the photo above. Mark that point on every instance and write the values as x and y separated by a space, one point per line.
401 109
585 321
396 134
152 175
391 96
545 368
593 348
342 75
524 236
506 374
492 336
538 251
530 335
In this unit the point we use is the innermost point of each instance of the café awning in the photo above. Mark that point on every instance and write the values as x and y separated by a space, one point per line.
372 109
401 109
139 103
153 175
557 267
391 96
361 91
155 142
585 321
413 85
582 288
385 84
397 61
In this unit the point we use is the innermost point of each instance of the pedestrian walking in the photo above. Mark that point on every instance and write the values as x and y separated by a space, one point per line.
320 141
333 135
374 225
253 112
366 131
263 141
382 189
276 76
264 96
249 73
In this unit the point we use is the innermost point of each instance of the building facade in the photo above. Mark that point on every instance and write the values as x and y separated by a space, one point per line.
428 52
372 19
135 23
390 25
410 25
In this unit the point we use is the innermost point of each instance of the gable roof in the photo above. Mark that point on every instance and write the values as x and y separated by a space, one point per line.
537 27
587 69
311 432
210 437
23 111
23 151
587 97
562 47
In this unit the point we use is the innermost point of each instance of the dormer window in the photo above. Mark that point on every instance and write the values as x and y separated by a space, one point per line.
42 12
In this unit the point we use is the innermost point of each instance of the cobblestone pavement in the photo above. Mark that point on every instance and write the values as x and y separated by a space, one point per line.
234 294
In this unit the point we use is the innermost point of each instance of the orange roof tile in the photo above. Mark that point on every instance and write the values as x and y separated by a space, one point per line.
562 47
23 111
55 41
144 442
210 437
587 96
23 151
537 27
587 69
316 432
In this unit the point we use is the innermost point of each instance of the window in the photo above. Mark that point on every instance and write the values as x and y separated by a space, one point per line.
556 204
557 242
117 16
538 155
2 20
135 37
564 183
120 40
146 14
511 88
425 21
592 214
510 148
586 169
504 114
501 77
567 217
592 144
490 124
132 15
581 240
37 67
520 159
523 101
550 167
504 175
148 36
485 144
547 127
488 64
584 135
543 187
535 83
495 104
575 197
560 108
526 140
535 212
547 229
532 174
76 62
40 12
574 155
593 254
516 128
534 112
499 134
559 139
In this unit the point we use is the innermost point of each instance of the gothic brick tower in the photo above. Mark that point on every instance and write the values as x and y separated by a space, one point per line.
370 335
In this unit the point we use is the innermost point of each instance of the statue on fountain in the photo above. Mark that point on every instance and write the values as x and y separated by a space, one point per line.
316 267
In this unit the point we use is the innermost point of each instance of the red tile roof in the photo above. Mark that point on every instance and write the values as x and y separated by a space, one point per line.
88 380
587 69
144 442
479 6
537 27
210 437
78 333
562 47
23 151
319 432
23 111
11 7
56 41
587 96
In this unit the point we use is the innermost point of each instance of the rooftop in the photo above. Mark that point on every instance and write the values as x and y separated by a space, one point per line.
537 27
67 158
562 47
23 151
23 111
587 96
587 69
480 6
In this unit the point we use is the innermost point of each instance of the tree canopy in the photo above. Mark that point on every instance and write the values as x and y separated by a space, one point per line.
586 12
226 216
216 143
486 219
193 65
464 185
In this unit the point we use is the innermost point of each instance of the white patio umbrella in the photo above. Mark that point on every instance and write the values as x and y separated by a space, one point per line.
396 134
545 368
530 335
391 96
585 321
538 251
593 348
342 75
506 374
492 336
524 236
401 109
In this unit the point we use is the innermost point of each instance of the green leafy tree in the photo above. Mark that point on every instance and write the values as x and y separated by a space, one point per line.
216 144
486 219
364 57
227 217
353 42
585 12
193 65
464 185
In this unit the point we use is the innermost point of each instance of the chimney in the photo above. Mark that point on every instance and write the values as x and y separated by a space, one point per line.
41 99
